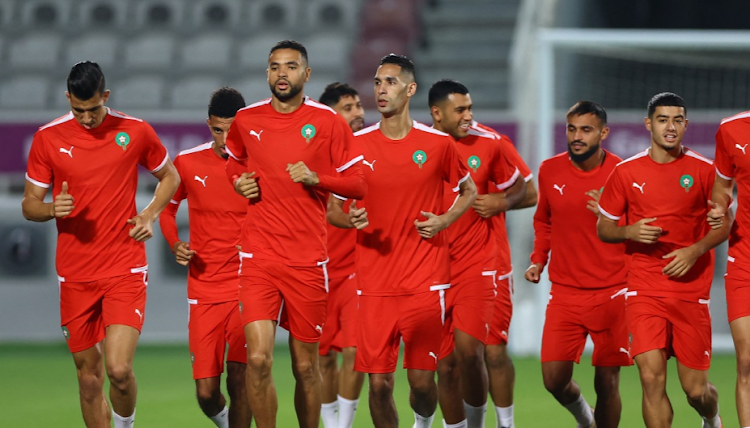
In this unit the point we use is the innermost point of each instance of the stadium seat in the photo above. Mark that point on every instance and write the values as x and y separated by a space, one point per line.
98 46
24 92
45 13
207 51
160 14
253 89
332 14
152 50
224 14
142 91
193 92
276 14
103 14
253 51
329 52
35 51
6 13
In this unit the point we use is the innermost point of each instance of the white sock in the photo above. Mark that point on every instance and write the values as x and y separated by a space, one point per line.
221 419
347 410
123 422
475 415
461 424
329 412
581 410
504 416
714 422
423 421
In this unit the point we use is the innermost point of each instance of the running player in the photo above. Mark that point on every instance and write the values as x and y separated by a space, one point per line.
587 275
286 153
216 213
89 158
662 193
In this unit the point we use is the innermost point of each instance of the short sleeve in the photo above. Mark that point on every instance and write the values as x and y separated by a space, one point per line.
38 169
235 147
510 152
345 151
503 173
153 155
722 160
454 171
613 202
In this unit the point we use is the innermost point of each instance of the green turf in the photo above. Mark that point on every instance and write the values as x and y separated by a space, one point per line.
38 389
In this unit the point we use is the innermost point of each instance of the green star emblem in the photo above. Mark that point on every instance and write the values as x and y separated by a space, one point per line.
122 139
65 332
686 182
308 131
419 157
474 162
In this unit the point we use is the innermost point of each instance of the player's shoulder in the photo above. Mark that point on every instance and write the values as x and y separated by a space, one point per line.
633 161
737 119
57 122
554 164
122 116
611 158
253 108
319 107
697 157
194 150
365 132
431 135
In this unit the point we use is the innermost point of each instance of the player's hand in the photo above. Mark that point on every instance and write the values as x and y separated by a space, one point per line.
62 206
430 227
358 216
142 228
490 205
642 232
715 215
593 203
247 185
533 272
300 173
182 252
682 260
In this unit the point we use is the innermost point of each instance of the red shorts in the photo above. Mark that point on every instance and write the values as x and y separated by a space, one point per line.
340 330
681 328
737 286
468 307
384 320
503 311
267 286
88 308
211 327
566 327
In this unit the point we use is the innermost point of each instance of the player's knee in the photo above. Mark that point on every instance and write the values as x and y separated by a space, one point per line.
381 387
304 369
120 375
695 394
235 379
471 360
90 385
495 357
652 380
606 386
327 363
743 367
422 387
554 383
259 363
208 397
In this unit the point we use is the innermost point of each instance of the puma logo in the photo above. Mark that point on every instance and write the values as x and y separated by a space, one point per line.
319 328
625 351
736 145
639 187
371 165
202 180
706 353
70 152
140 315
558 188
256 134
433 355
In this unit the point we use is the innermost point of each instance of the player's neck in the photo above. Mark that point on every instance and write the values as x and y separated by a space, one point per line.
288 106
593 162
662 155
396 126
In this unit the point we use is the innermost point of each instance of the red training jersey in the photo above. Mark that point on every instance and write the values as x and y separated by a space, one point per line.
732 163
341 243
581 262
287 223
472 244
100 167
216 213
405 177
675 194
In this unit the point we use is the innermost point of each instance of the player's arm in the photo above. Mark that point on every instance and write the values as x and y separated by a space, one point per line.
683 259
609 231
721 199
542 234
467 194
169 229
142 223
531 197
356 218
35 209
493 204
350 181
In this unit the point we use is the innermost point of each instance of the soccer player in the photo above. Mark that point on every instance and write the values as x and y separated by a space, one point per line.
499 364
89 157
286 154
587 275
462 375
402 258
341 388
663 193
731 165
216 213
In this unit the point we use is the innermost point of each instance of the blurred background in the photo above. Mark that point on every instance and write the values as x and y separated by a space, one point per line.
524 61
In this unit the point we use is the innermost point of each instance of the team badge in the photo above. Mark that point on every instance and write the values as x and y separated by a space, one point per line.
308 131
192 358
419 157
240 307
474 162
601 190
686 182
122 139
66 333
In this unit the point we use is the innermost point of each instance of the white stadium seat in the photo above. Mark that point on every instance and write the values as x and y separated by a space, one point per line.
152 50
328 52
45 13
104 14
160 14
253 89
215 13
253 51
331 14
206 51
142 91
98 46
193 92
38 50
276 14
24 92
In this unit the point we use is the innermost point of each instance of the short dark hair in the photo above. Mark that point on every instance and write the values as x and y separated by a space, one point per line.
86 80
336 91
290 44
225 102
667 99
441 89
407 66
588 107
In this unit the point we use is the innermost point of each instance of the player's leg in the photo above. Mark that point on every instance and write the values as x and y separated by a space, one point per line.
307 375
239 415
329 411
382 407
474 379
449 391
500 370
119 351
206 341
423 396
741 335
652 369
350 386
608 403
701 394
261 391
212 401
90 370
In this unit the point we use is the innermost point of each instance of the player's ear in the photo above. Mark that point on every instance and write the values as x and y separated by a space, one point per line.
605 133
647 122
436 114
411 89
105 96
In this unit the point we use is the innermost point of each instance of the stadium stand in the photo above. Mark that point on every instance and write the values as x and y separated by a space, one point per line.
24 92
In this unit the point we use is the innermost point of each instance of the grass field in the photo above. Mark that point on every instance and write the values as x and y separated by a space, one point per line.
38 389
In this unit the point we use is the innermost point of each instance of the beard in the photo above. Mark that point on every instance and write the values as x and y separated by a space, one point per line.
292 92
583 157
